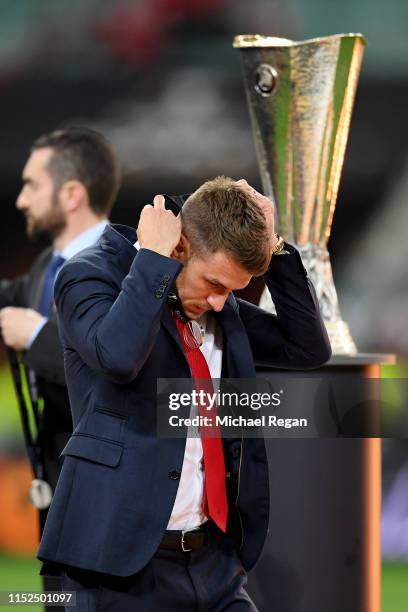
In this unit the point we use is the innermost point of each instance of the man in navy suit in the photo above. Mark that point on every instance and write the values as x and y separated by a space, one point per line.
135 523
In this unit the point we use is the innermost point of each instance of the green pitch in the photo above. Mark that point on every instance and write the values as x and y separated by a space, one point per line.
18 574
22 575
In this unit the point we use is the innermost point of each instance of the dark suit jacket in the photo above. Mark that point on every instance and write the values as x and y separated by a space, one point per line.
45 358
119 479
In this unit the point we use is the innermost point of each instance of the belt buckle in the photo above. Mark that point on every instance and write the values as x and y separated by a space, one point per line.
182 543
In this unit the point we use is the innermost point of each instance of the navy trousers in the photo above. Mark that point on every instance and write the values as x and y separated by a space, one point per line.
211 579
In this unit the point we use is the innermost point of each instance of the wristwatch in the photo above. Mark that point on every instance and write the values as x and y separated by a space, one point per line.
279 248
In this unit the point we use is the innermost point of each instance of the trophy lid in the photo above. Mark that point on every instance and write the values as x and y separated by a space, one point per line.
242 41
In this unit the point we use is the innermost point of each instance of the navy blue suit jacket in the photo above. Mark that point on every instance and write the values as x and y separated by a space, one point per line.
119 479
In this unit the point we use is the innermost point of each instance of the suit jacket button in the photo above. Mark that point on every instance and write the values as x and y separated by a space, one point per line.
174 475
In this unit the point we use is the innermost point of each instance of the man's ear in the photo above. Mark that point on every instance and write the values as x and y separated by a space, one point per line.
72 194
182 250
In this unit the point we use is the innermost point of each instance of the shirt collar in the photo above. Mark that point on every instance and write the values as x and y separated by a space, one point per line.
84 240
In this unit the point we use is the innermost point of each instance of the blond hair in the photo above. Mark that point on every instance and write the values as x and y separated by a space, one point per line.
221 216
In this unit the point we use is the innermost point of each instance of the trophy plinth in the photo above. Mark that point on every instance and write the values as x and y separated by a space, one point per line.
300 97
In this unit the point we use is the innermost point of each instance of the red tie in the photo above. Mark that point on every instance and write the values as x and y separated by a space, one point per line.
215 503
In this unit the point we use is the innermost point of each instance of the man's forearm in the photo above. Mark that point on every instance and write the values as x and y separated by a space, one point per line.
296 337
114 329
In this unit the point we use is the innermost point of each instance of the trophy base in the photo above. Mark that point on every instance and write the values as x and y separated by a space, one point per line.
340 338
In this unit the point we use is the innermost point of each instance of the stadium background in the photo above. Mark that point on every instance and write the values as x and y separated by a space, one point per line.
160 79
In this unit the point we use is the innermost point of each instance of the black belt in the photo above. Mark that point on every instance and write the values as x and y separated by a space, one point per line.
186 541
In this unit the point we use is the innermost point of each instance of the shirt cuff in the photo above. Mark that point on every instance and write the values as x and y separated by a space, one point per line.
36 331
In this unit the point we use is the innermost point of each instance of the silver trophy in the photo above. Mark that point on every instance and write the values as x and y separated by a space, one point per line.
300 97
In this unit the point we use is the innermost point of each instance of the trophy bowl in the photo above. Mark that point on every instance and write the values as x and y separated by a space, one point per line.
300 97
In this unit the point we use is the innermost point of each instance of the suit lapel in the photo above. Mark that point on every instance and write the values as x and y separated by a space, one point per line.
170 327
238 359
37 280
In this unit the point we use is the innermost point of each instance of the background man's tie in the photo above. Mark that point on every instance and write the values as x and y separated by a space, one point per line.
47 297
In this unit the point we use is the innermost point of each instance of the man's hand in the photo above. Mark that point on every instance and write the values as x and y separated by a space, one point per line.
17 326
159 229
267 207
